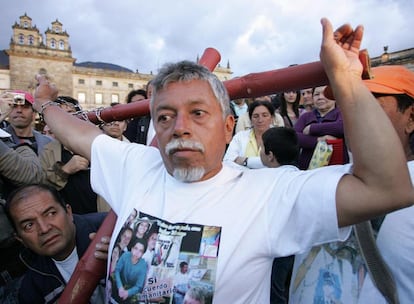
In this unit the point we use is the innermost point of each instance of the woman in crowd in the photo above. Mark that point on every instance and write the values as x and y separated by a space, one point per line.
289 107
244 123
324 122
244 147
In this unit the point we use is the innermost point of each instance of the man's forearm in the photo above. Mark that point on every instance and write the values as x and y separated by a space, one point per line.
20 166
380 181
72 132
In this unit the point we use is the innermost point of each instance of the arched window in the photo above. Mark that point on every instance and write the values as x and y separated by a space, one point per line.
53 43
61 45
31 40
25 24
21 39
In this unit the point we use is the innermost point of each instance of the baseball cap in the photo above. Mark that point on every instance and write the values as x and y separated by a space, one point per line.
391 79
27 96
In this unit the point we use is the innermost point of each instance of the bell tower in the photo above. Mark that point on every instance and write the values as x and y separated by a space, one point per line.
30 52
57 39
25 34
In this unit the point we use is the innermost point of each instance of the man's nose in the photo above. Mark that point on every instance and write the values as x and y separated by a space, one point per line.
182 125
43 225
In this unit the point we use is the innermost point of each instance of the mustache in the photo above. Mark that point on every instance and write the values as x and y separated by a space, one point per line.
180 144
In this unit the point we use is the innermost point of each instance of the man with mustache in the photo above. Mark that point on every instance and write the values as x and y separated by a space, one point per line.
281 211
55 240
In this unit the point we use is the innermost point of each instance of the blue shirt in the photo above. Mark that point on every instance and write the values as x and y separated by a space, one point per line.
130 276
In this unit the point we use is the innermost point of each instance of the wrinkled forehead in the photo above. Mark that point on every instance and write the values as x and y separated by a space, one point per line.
32 200
181 91
205 94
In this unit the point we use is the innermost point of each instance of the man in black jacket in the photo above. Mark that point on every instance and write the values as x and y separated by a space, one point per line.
137 129
55 240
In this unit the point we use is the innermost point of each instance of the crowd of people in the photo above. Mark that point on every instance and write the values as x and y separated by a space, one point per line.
283 233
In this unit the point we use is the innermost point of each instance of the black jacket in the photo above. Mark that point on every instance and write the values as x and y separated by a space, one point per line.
137 129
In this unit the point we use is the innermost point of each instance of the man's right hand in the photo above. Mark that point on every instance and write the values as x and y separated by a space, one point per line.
45 91
340 50
75 164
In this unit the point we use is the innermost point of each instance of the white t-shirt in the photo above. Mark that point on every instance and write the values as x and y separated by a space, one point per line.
395 242
329 273
67 266
255 215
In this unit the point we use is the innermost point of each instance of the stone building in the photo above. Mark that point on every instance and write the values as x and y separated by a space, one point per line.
94 84
402 57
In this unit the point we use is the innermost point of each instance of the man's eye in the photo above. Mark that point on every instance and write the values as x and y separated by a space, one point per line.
27 226
199 112
164 118
51 213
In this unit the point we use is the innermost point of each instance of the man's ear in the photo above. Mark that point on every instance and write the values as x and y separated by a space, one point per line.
271 157
228 127
69 211
272 160
409 128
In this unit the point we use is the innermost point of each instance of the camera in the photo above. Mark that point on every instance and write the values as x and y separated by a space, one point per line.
18 98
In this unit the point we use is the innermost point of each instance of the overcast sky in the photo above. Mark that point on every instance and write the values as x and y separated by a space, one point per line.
254 36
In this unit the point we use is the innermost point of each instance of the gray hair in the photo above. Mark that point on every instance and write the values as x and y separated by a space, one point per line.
196 293
186 71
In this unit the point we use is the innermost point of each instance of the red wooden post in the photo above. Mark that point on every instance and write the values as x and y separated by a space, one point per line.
292 78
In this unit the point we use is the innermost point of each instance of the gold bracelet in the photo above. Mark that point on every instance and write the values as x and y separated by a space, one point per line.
47 104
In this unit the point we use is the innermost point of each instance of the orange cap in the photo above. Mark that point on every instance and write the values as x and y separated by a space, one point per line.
391 79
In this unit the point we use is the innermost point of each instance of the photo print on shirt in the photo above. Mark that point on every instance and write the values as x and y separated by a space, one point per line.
147 257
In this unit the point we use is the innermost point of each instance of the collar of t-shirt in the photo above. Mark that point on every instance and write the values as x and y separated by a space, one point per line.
67 266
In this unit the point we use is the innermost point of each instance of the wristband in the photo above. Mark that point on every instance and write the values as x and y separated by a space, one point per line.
47 104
